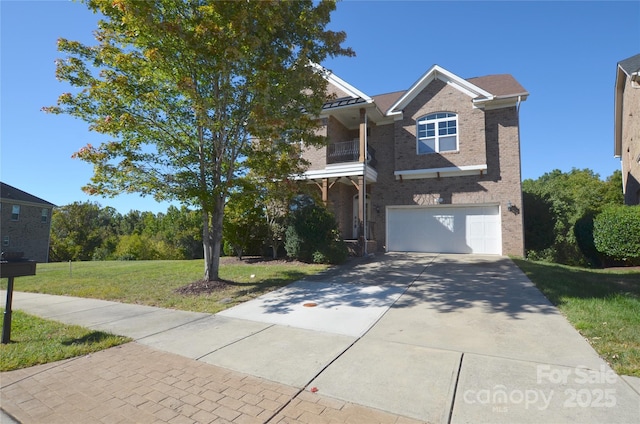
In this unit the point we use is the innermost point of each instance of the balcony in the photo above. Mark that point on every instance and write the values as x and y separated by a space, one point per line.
349 151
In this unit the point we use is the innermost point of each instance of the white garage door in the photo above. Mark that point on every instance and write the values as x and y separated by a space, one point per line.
474 229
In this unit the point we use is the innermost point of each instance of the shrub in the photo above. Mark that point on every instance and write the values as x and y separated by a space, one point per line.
616 233
583 231
312 235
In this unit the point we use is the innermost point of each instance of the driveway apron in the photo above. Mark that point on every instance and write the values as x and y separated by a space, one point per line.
473 340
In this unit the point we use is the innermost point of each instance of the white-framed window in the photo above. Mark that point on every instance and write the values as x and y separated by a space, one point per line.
45 215
437 132
15 212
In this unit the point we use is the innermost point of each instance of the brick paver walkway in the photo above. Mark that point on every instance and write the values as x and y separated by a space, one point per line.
133 383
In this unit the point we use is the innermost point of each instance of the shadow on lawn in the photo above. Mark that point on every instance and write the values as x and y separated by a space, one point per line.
558 281
88 339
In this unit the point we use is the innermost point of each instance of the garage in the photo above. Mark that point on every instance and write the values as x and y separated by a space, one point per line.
444 229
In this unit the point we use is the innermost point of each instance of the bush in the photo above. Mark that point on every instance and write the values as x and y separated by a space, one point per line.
583 231
616 233
312 235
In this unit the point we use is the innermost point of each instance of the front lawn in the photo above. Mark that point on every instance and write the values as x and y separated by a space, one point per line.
158 283
603 305
39 341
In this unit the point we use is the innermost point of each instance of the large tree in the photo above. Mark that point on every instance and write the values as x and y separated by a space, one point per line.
185 86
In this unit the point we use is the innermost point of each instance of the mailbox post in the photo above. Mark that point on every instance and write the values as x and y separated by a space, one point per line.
11 269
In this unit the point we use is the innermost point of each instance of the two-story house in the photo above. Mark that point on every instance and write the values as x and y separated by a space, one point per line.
435 168
626 144
25 223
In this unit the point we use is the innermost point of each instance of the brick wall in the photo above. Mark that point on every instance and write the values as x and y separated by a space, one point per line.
28 234
440 97
485 137
496 144
631 143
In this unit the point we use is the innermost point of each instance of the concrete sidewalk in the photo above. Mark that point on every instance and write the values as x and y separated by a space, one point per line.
447 338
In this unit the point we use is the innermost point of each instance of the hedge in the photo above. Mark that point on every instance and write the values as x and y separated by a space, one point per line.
616 233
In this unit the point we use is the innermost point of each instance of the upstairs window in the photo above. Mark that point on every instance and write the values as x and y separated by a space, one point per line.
438 133
15 212
45 215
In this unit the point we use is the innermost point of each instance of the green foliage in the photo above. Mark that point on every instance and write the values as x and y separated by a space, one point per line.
182 88
78 229
244 226
555 203
86 231
539 222
616 233
313 236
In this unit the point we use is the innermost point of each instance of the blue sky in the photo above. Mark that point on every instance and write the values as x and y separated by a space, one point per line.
563 53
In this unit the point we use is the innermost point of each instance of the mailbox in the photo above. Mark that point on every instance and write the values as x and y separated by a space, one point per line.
13 265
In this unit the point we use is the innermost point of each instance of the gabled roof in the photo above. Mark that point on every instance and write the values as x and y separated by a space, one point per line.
491 91
8 192
439 73
502 85
385 101
630 65
353 95
627 68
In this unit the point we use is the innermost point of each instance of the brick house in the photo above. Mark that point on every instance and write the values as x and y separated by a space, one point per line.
25 223
435 168
627 126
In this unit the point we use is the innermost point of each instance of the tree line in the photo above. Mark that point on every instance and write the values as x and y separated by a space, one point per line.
83 231
261 219
576 218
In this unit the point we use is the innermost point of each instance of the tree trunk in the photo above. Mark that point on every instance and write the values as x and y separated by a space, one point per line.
212 240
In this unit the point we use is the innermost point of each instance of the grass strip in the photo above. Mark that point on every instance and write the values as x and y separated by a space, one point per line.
603 305
37 341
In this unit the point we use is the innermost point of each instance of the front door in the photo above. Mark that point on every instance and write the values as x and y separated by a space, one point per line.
356 208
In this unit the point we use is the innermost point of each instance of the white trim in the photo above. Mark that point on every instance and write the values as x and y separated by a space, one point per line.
354 169
341 84
436 137
452 171
437 72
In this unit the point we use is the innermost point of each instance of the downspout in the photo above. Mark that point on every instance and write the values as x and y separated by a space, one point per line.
520 167
364 182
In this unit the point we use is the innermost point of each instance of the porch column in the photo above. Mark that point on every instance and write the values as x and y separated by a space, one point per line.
363 134
325 190
362 198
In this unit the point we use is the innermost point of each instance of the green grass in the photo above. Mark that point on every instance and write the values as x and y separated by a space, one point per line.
603 305
154 283
38 341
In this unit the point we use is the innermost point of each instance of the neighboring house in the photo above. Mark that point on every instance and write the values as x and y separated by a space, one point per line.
25 223
626 144
441 170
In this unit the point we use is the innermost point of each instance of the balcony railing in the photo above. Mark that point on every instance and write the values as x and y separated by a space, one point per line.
348 151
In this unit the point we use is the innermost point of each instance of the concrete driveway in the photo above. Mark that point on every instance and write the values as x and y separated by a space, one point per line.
438 338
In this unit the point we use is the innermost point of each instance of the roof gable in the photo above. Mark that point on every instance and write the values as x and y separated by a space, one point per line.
8 192
439 73
502 85
341 85
630 65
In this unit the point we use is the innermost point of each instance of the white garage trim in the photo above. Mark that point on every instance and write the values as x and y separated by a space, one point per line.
444 229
